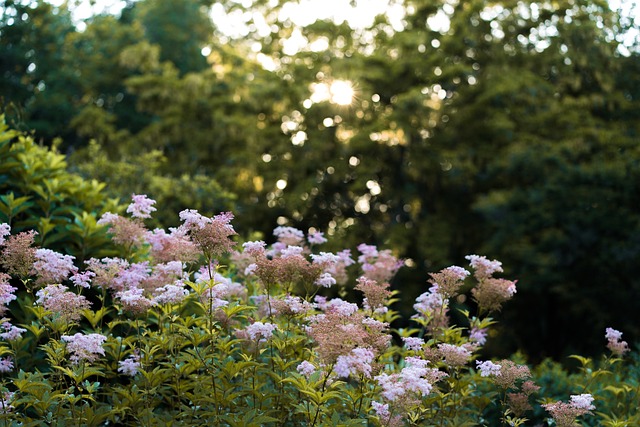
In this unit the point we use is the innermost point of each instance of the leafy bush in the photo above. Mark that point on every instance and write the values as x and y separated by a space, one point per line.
37 192
187 330
146 174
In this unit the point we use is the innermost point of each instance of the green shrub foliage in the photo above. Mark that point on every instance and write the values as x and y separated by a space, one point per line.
38 193
187 328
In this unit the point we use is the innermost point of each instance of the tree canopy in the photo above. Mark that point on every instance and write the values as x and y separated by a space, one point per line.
506 128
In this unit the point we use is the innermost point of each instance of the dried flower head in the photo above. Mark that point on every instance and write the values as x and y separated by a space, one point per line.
61 302
18 255
491 293
124 231
211 235
172 246
449 280
376 294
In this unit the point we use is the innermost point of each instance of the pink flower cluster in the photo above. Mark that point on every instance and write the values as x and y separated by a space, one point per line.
505 374
211 235
432 307
6 292
289 236
306 368
124 231
61 302
172 246
449 280
615 343
5 230
565 414
357 362
6 365
377 265
52 267
376 295
18 255
415 379
12 333
84 347
342 328
141 206
490 293
259 331
130 366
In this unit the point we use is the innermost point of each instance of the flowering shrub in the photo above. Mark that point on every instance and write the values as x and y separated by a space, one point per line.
173 335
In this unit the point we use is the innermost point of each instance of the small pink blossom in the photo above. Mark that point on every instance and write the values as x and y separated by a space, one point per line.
124 231
172 246
254 248
339 306
6 292
454 355
5 403
615 343
478 335
377 265
129 366
289 235
291 251
12 333
84 347
141 207
483 267
260 331
306 368
582 401
414 378
382 410
5 230
565 414
134 302
191 218
325 280
488 368
412 343
6 365
61 302
358 361
82 280
171 293
316 238
18 254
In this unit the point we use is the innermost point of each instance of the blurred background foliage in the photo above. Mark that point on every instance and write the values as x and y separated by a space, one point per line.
504 128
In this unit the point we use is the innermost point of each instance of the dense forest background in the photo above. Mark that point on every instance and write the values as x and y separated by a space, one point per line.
503 128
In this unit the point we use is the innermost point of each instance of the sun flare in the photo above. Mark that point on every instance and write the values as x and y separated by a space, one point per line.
342 92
